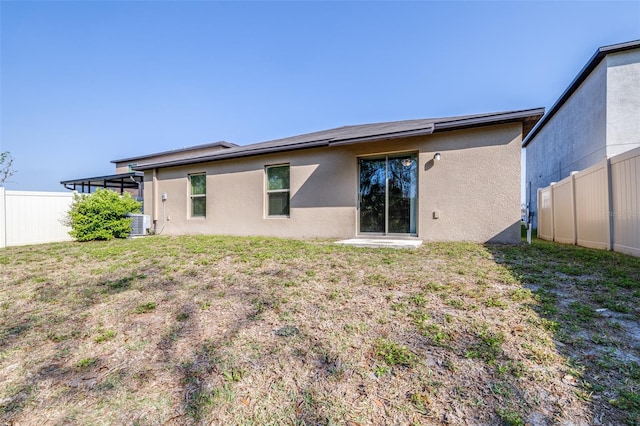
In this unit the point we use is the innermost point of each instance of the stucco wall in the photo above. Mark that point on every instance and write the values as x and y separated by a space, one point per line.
572 140
623 102
475 189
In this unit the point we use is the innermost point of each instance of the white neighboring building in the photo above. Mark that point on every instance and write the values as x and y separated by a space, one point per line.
597 117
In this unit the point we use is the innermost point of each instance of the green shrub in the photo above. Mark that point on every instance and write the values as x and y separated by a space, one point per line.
101 215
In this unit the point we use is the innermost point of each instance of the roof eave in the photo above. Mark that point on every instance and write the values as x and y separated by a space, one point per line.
223 144
229 155
509 117
382 137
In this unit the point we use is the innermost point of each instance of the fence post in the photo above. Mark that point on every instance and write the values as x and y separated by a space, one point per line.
610 211
574 214
3 216
541 218
553 216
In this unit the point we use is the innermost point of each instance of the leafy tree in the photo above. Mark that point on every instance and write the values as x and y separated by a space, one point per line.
6 167
101 215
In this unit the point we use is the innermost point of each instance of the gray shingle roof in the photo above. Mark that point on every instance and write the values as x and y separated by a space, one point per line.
364 133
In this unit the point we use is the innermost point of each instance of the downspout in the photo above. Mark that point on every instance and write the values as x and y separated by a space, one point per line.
154 199
163 200
529 214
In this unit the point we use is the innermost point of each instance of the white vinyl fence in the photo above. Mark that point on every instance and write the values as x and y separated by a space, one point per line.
28 217
598 207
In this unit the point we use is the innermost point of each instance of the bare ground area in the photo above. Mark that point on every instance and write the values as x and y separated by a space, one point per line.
240 331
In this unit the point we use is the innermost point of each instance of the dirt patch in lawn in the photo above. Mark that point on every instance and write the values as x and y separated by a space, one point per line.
202 330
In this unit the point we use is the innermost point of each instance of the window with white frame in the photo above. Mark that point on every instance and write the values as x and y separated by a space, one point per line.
198 194
278 190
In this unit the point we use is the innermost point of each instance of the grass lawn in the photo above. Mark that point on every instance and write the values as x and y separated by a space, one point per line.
243 331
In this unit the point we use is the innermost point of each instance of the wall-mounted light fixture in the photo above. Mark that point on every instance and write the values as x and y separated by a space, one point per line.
437 156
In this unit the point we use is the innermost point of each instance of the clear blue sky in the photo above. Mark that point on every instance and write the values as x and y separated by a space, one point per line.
87 82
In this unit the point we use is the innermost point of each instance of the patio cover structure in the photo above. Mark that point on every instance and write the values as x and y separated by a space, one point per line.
119 182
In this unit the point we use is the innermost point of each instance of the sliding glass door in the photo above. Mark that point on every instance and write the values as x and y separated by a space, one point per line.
388 194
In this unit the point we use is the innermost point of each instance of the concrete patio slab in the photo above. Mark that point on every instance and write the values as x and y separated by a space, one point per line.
382 242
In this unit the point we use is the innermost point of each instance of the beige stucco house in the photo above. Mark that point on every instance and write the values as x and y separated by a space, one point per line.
444 179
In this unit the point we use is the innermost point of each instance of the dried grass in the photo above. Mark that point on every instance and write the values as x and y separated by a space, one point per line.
217 330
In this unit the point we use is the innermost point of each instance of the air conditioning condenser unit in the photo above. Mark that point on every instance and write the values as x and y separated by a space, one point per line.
140 224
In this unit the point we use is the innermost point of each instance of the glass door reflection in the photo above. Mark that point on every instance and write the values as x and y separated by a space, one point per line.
388 194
